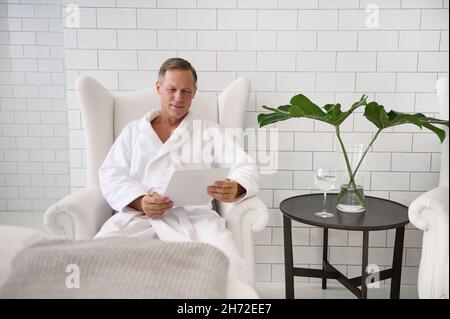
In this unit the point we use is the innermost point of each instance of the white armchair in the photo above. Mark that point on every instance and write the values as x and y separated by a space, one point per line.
429 212
81 214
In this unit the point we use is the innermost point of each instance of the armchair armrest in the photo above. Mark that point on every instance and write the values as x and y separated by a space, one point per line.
252 210
429 212
84 212
435 201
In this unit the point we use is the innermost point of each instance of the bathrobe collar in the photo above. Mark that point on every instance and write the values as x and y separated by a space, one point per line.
146 128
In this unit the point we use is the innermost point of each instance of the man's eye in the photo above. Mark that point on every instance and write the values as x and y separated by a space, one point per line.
170 90
187 92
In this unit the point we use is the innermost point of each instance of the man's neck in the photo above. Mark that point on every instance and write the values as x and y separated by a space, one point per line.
164 120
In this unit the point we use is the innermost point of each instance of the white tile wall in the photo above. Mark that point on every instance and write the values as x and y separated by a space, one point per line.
320 47
33 136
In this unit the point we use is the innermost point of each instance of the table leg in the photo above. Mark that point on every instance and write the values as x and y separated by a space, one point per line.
365 259
324 257
288 258
397 262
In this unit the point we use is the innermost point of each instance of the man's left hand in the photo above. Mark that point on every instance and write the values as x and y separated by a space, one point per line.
226 191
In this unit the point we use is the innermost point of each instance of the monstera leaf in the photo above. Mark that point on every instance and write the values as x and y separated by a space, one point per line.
376 114
301 106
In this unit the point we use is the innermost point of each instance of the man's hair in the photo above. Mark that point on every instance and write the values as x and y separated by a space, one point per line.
176 64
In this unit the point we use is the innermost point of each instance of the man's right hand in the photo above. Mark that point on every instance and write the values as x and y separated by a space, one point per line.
153 204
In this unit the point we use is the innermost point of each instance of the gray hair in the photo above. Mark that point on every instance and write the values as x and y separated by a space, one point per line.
176 64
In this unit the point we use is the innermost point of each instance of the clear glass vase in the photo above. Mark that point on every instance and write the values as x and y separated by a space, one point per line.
351 197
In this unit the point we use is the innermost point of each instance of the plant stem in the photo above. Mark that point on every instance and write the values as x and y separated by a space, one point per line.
347 162
360 197
364 155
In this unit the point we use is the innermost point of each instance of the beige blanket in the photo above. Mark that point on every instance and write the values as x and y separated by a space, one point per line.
117 268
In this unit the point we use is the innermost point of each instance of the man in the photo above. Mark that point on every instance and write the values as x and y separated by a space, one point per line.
138 167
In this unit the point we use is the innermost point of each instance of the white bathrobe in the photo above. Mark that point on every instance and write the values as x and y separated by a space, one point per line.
139 163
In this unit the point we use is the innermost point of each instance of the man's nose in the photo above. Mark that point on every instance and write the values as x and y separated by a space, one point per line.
178 96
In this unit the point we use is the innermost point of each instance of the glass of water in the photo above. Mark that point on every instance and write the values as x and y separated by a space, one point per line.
326 179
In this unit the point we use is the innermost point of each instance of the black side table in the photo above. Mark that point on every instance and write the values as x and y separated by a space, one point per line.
380 214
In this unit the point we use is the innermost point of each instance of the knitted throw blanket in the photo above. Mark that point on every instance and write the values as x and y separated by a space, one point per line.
117 268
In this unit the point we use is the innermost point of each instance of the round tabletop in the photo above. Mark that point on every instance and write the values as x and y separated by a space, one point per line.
380 213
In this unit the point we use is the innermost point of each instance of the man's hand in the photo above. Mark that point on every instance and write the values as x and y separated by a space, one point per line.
153 204
226 191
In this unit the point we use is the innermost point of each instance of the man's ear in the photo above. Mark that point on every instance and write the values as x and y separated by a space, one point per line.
158 87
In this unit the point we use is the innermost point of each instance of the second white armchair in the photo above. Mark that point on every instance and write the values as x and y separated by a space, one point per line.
429 212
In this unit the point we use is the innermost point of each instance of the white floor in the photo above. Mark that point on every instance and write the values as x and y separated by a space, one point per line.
275 290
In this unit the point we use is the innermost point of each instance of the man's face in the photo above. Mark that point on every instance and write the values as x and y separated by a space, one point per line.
176 91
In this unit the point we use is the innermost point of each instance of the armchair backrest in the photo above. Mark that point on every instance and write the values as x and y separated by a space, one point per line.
105 115
442 95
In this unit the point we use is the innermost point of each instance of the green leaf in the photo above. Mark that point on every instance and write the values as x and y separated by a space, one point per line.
266 119
439 132
376 114
362 101
280 109
296 111
397 118
333 110
303 107
432 120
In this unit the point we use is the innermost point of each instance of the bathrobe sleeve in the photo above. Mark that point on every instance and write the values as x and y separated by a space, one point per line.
118 188
242 167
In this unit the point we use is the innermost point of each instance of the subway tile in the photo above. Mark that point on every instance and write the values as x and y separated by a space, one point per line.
356 61
294 82
375 82
424 181
236 61
96 39
260 81
317 19
137 39
419 40
316 61
397 61
433 62
411 162
335 82
433 19
275 61
337 41
390 181
236 19
256 40
378 40
416 82
116 18
277 19
156 19
177 39
216 40
196 19
296 40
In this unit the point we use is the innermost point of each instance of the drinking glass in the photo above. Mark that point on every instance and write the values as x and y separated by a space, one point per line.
326 179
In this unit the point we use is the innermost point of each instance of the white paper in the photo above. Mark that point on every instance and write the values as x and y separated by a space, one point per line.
189 187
